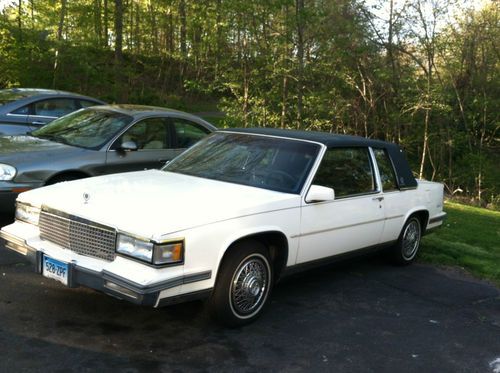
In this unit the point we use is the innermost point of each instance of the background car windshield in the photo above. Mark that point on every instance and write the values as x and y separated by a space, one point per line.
259 161
87 128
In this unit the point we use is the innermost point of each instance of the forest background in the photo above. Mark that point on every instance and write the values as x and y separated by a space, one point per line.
422 73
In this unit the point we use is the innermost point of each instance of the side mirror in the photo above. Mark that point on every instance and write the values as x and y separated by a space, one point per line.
318 193
128 146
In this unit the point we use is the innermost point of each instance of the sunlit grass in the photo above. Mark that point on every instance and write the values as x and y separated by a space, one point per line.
469 238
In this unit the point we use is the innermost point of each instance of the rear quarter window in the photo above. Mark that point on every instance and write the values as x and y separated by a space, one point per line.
386 170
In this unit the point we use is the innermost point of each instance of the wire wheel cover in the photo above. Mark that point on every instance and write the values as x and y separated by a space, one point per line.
249 287
411 239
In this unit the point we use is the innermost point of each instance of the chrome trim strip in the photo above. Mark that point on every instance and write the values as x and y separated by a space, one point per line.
437 219
44 116
31 115
164 285
17 115
344 226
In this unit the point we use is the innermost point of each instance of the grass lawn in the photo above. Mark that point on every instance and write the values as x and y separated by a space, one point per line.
469 238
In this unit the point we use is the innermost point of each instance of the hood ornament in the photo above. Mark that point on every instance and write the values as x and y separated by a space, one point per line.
86 198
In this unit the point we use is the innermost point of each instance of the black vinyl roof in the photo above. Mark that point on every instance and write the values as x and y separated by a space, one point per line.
402 168
328 139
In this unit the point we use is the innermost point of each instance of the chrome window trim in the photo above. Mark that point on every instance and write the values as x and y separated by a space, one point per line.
398 186
17 115
46 116
312 172
377 190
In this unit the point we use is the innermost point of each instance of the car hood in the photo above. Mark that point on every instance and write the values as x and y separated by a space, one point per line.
16 150
155 203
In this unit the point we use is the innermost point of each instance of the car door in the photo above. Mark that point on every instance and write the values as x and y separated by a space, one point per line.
153 139
45 111
354 219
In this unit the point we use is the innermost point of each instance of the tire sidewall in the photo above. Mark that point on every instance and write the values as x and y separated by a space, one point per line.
400 247
221 306
263 300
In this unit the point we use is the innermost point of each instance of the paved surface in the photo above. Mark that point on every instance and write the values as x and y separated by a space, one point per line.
363 316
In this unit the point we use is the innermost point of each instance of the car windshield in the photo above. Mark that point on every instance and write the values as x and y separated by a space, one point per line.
260 161
86 128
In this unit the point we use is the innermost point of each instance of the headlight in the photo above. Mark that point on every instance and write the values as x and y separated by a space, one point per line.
158 254
134 247
7 172
27 213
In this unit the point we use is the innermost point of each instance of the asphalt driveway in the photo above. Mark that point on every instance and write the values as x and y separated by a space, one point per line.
361 316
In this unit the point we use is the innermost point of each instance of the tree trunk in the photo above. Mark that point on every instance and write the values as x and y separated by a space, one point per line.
20 20
120 94
183 36
218 41
183 29
154 28
106 16
97 21
299 13
60 27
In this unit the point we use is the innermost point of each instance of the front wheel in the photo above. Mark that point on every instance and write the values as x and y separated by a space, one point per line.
243 284
405 250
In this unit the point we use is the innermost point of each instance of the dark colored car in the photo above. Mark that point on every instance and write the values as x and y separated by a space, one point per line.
94 141
26 109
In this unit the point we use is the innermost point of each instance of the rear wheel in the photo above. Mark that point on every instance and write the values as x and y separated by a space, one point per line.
243 284
406 249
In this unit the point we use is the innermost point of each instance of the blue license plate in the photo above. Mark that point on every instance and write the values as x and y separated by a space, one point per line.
55 269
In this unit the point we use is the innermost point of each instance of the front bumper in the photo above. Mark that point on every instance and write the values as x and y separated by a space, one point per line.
112 284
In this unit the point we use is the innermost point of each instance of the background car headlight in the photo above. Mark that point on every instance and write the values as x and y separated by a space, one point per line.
169 253
135 248
27 213
7 172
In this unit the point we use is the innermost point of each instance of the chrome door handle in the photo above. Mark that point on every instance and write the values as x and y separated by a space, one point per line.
38 123
379 198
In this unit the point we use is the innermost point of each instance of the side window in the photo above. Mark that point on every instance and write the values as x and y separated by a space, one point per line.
347 170
24 110
148 134
188 132
387 175
85 104
56 107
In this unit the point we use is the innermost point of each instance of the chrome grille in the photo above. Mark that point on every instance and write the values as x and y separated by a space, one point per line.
81 236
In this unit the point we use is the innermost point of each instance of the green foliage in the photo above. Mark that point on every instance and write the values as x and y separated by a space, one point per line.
420 85
469 238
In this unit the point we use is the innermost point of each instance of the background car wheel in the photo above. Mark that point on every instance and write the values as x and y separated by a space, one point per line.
64 177
243 284
406 249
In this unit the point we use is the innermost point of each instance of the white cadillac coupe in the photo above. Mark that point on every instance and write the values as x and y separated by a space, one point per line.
227 219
